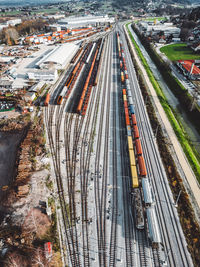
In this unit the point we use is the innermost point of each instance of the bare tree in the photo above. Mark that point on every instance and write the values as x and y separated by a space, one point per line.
36 222
39 259
14 259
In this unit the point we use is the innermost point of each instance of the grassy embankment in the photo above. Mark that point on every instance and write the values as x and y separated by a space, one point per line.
179 51
183 139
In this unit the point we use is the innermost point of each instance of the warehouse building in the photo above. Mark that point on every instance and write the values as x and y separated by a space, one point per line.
85 21
58 57
152 29
43 75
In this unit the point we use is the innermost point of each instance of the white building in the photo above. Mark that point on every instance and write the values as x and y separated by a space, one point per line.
13 22
58 57
43 75
30 96
84 21
54 27
150 28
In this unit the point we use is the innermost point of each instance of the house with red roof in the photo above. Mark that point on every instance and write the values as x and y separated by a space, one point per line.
189 69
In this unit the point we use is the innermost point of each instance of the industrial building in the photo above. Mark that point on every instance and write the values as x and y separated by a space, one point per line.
152 29
43 75
58 57
85 21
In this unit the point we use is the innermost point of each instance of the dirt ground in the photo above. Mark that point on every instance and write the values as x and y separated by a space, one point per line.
8 147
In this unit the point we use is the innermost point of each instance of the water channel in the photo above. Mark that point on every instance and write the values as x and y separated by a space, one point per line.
172 100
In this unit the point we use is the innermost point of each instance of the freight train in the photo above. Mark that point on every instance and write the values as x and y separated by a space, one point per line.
141 189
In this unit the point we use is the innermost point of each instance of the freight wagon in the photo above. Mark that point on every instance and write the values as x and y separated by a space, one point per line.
46 102
122 77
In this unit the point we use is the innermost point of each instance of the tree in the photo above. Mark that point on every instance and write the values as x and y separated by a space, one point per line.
15 259
38 259
184 34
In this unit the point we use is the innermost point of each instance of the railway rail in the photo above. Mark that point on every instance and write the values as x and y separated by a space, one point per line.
165 211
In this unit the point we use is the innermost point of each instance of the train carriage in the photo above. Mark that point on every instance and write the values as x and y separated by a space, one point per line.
138 209
122 77
133 119
128 87
147 192
129 94
127 119
128 129
132 157
130 100
154 232
134 177
124 98
130 142
142 167
125 104
47 99
132 110
135 132
138 147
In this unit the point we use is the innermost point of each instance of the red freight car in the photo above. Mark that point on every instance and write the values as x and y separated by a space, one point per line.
136 132
133 117
127 119
125 104
46 102
124 91
121 65
138 147
142 167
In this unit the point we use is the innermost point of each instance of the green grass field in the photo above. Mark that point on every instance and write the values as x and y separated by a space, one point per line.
153 18
179 51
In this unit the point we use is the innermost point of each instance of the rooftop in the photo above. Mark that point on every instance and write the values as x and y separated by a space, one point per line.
188 64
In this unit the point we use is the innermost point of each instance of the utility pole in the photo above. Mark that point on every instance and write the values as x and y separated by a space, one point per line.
176 203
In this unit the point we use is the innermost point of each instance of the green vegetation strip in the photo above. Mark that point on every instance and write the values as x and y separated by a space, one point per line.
175 124
179 52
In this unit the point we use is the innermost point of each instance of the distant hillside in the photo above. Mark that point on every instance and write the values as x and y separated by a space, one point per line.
7 3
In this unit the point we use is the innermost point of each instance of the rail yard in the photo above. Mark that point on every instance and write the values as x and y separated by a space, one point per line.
114 204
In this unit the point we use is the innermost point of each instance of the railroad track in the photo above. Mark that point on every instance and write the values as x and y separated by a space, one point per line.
156 257
53 147
113 234
85 154
71 232
126 185
129 232
103 98
173 239
141 238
